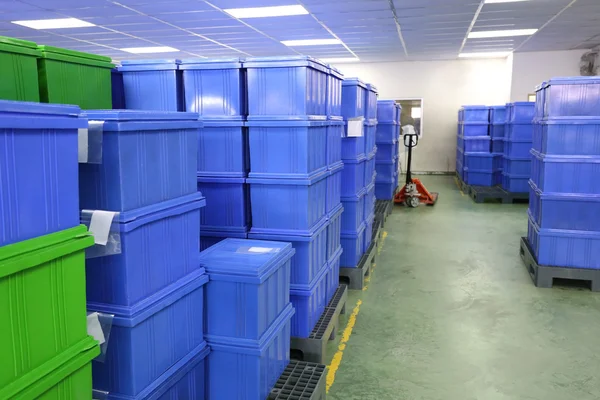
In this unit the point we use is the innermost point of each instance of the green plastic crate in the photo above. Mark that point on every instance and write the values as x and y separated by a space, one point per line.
73 77
67 376
18 69
42 300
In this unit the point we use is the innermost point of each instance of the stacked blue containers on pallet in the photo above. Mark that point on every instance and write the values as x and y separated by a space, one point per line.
372 154
480 166
517 146
497 133
564 203
248 317
216 89
152 85
289 171
154 285
388 131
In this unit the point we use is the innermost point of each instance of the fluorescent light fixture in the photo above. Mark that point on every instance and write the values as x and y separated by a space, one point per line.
505 33
311 42
60 23
489 54
150 50
502 1
263 12
340 60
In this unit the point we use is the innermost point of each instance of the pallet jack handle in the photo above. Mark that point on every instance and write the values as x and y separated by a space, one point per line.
410 141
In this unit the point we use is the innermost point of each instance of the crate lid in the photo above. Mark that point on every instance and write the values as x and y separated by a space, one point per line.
291 235
358 233
523 104
218 179
573 80
224 122
246 258
286 61
76 57
585 120
307 290
584 197
372 88
336 121
283 123
337 211
354 82
335 168
219 233
359 159
210 63
149 65
386 103
19 46
30 253
335 72
356 197
141 115
498 107
23 107
477 107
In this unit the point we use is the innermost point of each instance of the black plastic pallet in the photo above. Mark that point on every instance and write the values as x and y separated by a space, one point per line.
481 194
383 208
377 230
544 276
356 276
314 347
300 381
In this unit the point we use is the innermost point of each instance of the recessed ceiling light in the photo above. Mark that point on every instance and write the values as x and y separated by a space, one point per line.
502 1
490 54
60 23
505 33
150 50
340 60
311 42
263 12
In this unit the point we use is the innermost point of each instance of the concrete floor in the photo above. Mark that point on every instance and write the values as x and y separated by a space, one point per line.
451 314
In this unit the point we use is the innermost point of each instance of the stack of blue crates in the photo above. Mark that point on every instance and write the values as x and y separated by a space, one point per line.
497 134
480 167
154 286
291 176
248 317
517 146
359 102
216 89
388 133
564 203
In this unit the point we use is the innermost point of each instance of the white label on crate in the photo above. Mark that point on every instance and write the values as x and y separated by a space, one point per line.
82 142
94 328
355 128
260 250
100 226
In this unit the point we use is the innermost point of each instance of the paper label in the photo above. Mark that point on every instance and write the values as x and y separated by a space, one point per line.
355 128
94 328
260 250
100 226
82 144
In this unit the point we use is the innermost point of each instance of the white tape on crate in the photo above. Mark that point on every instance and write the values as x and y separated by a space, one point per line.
94 328
100 226
89 141
82 144
355 127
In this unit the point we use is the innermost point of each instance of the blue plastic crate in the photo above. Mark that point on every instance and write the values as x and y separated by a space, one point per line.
118 90
353 148
568 137
482 161
470 129
460 155
386 171
353 177
386 152
334 187
153 85
334 229
286 87
476 144
283 205
287 149
352 245
335 132
564 211
559 174
387 112
354 211
334 92
371 102
571 97
370 170
515 183
387 132
239 369
148 339
519 132
475 114
353 98
309 301
564 248
227 204
368 239
147 157
517 166
215 88
370 132
514 149
184 380
248 288
498 115
223 149
333 275
38 171
209 238
311 252
498 131
159 245
498 146
521 112
498 178
538 113
478 177
369 199
399 114
386 190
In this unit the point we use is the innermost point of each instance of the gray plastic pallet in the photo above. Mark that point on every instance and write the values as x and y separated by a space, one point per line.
356 276
481 194
314 347
384 208
300 381
377 230
544 276
462 185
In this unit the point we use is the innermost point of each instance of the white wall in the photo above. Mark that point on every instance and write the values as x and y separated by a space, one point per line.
444 86
531 69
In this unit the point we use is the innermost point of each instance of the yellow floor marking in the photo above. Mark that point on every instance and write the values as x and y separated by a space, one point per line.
458 185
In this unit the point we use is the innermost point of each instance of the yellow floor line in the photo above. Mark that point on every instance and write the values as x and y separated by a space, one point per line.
458 185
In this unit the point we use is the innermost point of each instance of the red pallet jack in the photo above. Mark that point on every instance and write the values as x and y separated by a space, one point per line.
414 192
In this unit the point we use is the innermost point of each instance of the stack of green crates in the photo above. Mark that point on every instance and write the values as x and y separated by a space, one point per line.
54 75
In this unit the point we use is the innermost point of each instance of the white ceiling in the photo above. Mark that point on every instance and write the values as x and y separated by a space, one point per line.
373 30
